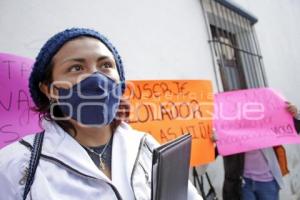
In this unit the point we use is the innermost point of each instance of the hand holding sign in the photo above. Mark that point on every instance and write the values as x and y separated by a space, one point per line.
16 118
252 119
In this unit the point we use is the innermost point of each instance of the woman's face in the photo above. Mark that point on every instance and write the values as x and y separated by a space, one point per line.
78 59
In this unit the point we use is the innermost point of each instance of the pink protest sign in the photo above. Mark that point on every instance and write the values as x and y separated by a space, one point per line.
16 117
252 119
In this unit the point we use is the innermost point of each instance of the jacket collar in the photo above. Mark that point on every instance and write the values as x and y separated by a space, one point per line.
61 146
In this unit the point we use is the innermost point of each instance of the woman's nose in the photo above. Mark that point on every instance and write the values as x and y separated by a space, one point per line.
89 70
92 68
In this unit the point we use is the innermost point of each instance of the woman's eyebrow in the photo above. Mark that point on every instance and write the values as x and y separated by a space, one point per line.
103 58
82 60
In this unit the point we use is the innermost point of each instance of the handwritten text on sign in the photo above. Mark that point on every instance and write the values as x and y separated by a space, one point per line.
16 118
170 108
252 119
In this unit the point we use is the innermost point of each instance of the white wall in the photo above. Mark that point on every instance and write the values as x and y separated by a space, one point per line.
278 32
157 39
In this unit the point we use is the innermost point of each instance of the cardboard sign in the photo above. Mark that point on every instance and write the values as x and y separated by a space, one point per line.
252 119
16 117
170 108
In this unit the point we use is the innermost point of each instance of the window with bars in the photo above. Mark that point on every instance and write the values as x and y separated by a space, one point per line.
233 41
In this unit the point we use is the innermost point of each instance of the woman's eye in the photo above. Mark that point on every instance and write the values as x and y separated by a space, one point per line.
75 68
106 65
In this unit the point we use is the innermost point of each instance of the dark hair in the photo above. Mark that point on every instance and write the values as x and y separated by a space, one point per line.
44 108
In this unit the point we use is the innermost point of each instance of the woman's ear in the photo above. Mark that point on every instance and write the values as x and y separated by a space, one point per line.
45 89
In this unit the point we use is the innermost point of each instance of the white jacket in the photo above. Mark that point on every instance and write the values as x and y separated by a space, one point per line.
66 172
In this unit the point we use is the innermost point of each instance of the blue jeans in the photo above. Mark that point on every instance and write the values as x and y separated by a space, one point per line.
256 190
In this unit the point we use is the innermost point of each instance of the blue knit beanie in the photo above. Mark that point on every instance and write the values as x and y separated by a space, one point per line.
52 46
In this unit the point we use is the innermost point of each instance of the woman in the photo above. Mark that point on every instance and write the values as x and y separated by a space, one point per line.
85 150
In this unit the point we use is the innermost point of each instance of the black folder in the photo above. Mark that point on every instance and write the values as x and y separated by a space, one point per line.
170 169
